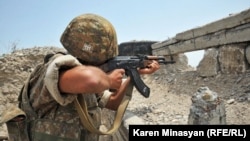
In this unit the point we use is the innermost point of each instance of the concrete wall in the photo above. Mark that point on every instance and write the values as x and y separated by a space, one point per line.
229 30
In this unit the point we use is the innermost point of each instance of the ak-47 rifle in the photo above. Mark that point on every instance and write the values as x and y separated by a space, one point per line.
131 64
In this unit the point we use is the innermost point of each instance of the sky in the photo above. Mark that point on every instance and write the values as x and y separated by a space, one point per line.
30 23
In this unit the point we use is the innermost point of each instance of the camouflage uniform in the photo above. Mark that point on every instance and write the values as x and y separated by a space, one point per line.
55 116
51 115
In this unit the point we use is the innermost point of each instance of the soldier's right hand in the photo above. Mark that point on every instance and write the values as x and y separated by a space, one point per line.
115 77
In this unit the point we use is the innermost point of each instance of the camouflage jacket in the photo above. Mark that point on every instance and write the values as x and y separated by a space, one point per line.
51 115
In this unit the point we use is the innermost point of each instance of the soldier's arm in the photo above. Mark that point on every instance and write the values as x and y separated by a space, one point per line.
88 79
66 76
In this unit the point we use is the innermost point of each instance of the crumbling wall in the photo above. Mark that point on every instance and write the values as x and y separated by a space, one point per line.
225 59
233 29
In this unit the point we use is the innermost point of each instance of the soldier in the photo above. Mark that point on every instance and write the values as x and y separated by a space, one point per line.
47 98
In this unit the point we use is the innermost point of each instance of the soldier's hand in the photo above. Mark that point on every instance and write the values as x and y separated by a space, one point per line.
115 77
151 68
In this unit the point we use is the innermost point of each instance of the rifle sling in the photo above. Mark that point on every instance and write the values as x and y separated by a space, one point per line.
87 122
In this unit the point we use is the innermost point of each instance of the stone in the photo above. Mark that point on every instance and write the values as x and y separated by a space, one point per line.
207 108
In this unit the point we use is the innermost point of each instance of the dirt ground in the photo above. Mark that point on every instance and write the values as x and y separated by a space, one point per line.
170 98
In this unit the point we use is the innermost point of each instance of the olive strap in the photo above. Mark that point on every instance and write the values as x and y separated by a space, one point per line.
87 122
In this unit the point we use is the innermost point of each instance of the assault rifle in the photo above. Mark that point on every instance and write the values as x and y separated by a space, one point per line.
131 64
